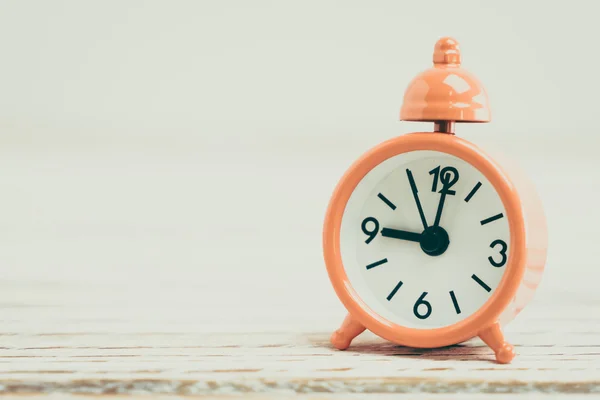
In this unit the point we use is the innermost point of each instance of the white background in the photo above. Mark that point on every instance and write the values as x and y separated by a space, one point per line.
195 144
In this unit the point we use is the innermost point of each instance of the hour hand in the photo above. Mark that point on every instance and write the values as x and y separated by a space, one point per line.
399 234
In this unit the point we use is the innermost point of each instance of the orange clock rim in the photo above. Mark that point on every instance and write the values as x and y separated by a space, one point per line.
489 313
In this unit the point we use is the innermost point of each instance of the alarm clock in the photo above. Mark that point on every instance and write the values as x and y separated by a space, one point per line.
427 240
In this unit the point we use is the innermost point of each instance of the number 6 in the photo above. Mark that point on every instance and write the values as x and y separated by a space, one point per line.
425 303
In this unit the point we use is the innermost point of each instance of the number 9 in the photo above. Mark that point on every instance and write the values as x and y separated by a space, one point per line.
371 233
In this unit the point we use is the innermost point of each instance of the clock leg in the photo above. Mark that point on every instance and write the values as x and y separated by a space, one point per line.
494 338
350 329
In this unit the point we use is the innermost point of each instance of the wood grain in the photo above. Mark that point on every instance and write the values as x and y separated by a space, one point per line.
556 355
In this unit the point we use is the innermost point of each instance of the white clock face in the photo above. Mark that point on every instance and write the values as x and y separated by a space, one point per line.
424 239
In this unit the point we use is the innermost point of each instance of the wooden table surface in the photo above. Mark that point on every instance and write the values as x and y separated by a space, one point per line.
107 350
122 278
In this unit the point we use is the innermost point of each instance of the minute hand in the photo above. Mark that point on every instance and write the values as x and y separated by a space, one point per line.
398 234
414 189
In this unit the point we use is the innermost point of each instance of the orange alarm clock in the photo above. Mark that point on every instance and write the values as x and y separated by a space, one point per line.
428 242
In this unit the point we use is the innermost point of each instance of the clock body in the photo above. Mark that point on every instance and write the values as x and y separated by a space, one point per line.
428 242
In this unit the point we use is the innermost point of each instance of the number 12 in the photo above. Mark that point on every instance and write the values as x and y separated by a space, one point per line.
448 176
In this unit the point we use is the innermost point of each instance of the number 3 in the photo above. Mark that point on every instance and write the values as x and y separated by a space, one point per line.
503 248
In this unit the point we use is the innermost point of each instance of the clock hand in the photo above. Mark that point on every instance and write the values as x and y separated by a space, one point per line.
414 189
448 177
438 214
398 234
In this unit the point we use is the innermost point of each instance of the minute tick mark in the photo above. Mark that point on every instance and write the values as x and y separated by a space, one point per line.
393 292
377 263
455 302
472 192
492 219
387 201
481 283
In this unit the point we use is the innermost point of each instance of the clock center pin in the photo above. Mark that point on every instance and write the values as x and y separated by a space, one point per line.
434 241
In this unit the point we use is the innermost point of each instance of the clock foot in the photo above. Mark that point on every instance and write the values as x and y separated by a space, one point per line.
494 338
350 329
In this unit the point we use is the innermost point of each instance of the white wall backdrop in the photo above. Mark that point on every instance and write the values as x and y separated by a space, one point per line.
196 143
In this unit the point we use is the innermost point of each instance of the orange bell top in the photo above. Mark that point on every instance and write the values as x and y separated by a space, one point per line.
445 92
